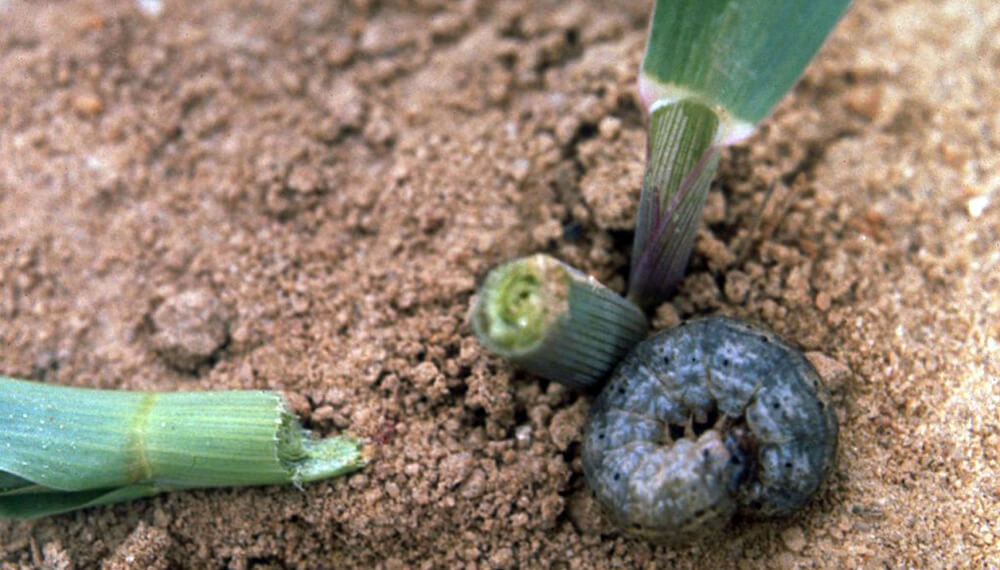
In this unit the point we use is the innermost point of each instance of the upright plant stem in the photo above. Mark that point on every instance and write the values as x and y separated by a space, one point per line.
712 70
681 162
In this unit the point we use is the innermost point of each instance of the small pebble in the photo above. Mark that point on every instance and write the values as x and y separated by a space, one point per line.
666 316
56 557
190 328
794 538
146 547
298 404
823 301
323 413
523 436
737 286
87 105
834 373
609 127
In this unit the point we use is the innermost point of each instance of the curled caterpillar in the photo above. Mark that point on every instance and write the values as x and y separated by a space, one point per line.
704 420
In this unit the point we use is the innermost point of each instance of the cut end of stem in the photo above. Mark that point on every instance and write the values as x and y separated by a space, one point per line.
555 321
308 459
519 302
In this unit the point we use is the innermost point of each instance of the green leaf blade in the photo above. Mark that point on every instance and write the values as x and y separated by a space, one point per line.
65 438
739 55
39 504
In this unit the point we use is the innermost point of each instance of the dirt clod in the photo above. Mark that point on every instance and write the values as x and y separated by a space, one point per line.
190 327
146 548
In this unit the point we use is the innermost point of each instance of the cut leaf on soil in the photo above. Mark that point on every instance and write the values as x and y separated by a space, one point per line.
66 448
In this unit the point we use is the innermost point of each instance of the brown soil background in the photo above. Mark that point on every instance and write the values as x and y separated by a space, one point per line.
332 181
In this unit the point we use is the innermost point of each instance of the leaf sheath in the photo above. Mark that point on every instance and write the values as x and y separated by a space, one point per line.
681 163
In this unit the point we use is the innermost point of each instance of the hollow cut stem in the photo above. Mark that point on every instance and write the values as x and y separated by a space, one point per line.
556 322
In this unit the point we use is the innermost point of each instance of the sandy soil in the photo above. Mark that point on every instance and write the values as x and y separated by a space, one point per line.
304 196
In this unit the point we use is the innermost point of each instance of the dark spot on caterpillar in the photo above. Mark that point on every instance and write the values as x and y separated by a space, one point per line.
732 452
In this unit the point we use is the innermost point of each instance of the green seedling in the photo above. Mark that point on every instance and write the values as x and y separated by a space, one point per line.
713 69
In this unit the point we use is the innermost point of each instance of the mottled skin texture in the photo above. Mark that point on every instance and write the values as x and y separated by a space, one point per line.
704 420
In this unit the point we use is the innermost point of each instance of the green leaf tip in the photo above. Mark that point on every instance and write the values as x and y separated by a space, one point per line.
67 448
737 56
555 321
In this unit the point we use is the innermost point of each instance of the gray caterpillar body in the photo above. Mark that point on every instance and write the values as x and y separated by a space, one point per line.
708 418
